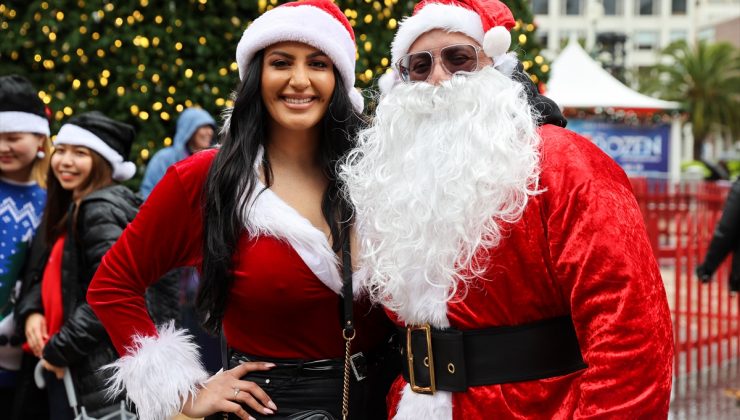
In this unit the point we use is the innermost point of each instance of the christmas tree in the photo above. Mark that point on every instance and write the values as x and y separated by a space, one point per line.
144 62
525 43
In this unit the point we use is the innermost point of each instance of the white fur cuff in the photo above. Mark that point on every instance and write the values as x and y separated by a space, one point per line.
158 373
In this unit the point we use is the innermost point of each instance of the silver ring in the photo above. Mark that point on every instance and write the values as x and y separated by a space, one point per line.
236 392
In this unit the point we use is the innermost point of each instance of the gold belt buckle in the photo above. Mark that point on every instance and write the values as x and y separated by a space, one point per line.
432 388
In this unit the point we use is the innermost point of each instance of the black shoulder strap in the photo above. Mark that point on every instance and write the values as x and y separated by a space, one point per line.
224 350
347 319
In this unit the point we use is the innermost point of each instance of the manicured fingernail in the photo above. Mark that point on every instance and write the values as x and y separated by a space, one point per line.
252 418
272 405
270 365
268 411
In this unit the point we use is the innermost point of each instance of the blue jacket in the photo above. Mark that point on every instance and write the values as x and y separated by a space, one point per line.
188 122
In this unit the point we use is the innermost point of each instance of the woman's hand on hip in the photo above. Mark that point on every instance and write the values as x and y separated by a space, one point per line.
36 333
224 392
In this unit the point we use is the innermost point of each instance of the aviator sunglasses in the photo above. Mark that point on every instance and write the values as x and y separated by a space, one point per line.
416 67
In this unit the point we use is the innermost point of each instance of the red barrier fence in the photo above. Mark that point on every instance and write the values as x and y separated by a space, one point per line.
680 220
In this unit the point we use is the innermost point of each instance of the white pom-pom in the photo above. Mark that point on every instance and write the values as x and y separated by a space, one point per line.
124 171
496 41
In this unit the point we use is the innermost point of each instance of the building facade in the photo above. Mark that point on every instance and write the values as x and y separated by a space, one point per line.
646 25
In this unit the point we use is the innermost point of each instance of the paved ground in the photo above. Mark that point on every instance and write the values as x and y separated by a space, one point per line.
707 395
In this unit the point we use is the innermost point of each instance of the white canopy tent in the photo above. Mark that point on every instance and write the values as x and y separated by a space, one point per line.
577 81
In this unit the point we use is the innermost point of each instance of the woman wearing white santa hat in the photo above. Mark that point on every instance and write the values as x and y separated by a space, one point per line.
263 219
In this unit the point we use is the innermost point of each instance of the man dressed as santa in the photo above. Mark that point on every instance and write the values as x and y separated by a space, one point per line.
512 257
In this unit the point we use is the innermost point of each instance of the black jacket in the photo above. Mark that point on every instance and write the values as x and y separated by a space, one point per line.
547 110
726 239
82 344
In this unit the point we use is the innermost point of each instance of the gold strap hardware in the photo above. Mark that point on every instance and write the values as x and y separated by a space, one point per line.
432 388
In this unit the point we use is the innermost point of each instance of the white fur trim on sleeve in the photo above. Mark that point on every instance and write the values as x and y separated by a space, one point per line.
158 373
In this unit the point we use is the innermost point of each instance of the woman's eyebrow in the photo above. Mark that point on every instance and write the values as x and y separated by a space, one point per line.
291 56
281 53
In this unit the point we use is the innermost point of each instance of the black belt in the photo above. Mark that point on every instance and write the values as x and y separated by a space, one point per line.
323 367
359 364
453 360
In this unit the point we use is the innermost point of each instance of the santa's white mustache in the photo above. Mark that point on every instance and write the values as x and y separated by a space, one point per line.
434 177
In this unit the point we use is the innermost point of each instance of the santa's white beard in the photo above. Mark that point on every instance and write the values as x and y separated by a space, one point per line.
434 177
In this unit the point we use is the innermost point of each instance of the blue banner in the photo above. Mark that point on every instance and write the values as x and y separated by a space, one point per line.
638 150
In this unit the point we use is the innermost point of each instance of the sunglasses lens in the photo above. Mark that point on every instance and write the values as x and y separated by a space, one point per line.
415 67
457 58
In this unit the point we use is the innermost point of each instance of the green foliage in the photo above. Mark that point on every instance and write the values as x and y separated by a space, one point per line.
143 62
525 43
705 78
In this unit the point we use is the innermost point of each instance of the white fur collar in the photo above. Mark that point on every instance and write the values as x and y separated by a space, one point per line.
269 215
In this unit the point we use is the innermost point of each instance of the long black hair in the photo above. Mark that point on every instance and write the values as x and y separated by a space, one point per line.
232 177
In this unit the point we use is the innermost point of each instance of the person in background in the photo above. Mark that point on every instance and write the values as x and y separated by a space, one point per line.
513 257
264 220
195 132
726 240
86 213
24 161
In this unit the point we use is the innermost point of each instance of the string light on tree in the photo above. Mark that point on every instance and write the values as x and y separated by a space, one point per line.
144 61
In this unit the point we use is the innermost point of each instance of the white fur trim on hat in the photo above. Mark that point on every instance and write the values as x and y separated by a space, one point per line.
435 16
23 122
158 373
307 24
75 135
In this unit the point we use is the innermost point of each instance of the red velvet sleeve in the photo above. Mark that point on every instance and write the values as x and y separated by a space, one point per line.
604 262
167 233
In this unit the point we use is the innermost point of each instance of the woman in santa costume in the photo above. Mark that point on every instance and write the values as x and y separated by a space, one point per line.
262 218
513 257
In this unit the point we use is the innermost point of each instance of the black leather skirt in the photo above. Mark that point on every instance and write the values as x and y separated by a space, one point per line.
297 386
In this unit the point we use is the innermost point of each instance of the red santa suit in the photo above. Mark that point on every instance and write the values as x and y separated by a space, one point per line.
282 305
579 249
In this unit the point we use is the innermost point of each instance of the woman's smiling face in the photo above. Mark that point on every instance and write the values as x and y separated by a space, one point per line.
297 84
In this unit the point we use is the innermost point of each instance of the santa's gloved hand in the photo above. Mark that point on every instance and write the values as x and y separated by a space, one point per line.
705 276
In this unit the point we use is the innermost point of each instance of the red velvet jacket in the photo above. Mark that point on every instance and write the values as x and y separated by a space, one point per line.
277 306
580 248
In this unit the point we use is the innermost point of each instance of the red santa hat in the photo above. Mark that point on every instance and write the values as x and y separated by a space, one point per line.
486 21
319 23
